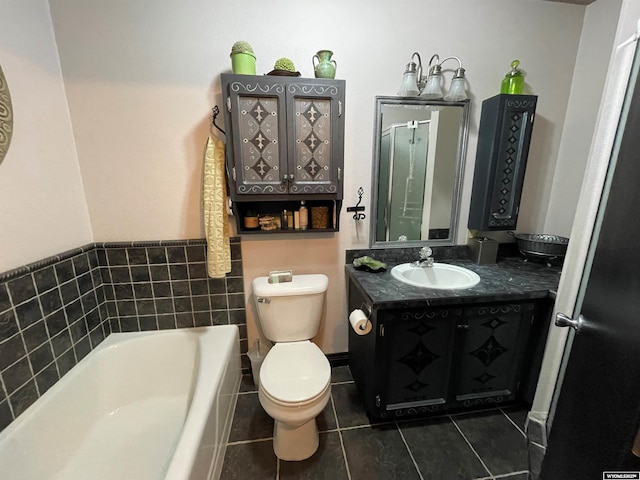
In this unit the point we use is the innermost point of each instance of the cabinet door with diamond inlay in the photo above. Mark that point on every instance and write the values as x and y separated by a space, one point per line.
258 127
418 349
492 342
317 140
504 136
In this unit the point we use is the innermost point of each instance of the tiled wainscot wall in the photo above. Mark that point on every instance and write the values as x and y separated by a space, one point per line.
55 311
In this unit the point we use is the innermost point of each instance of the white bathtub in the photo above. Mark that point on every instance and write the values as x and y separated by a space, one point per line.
148 405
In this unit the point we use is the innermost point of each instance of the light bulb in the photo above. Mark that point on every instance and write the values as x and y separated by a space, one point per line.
457 91
409 87
433 89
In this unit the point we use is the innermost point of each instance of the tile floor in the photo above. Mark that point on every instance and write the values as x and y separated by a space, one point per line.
488 444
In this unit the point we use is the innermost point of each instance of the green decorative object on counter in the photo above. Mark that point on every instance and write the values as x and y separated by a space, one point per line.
284 64
513 81
325 68
243 60
285 68
369 264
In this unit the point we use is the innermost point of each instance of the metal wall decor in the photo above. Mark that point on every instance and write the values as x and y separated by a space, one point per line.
6 117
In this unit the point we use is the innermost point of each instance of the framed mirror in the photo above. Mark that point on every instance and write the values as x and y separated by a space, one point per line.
419 152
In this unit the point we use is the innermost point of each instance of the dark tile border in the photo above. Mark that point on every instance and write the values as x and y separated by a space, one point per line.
53 312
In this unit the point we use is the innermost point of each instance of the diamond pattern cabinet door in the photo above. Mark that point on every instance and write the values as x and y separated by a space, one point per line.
316 142
492 342
257 126
418 346
504 137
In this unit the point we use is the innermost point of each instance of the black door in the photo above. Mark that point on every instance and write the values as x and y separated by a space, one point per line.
598 411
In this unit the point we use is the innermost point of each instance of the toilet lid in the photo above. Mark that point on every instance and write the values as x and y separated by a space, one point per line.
295 371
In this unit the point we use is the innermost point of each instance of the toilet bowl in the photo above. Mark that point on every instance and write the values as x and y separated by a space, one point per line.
295 386
295 376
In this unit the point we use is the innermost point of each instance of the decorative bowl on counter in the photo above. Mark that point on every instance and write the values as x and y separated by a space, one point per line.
541 245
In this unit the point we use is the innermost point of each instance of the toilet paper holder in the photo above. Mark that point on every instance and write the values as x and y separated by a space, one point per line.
366 309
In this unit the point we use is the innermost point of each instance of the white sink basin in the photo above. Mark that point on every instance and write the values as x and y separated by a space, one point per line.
441 275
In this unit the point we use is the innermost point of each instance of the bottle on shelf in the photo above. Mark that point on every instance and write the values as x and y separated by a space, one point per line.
513 81
304 216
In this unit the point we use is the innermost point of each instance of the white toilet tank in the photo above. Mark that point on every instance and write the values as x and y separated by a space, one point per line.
290 311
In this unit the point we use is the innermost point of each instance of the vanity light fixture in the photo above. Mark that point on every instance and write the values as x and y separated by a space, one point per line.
412 75
430 87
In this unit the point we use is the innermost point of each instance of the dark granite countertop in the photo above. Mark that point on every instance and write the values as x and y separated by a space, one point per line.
510 279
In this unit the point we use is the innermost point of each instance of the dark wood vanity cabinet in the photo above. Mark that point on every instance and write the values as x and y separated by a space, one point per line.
489 354
285 141
504 135
419 361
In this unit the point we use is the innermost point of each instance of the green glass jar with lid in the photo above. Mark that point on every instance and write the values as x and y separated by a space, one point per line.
513 81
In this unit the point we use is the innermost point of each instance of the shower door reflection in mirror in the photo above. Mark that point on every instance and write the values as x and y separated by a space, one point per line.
418 159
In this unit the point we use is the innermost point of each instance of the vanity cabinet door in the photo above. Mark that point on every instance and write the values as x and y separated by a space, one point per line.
492 342
417 349
504 135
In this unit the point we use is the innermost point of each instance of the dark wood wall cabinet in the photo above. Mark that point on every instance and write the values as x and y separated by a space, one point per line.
422 361
504 136
285 144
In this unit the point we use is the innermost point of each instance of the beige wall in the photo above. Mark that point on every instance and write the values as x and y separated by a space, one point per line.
42 205
141 77
589 75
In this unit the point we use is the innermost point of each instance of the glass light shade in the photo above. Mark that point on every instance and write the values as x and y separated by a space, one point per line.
409 87
457 91
433 88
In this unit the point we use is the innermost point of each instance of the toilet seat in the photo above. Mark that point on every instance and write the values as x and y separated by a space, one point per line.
295 373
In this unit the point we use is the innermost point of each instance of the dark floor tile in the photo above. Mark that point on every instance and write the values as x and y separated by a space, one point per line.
326 463
341 374
515 476
499 443
327 419
349 408
517 414
254 460
247 385
378 453
440 451
250 421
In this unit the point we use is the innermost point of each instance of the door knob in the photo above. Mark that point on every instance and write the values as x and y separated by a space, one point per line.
563 320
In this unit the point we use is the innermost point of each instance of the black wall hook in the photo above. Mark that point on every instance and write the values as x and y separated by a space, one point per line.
357 209
215 111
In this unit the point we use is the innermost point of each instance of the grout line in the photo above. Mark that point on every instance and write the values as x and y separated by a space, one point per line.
346 382
415 464
253 440
344 452
514 423
507 475
364 425
470 446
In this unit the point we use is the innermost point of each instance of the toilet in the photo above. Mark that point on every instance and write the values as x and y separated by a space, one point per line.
295 376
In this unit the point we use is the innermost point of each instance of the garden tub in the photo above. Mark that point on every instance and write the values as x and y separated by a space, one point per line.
142 405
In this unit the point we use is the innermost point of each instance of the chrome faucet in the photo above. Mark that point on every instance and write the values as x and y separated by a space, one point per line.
426 258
